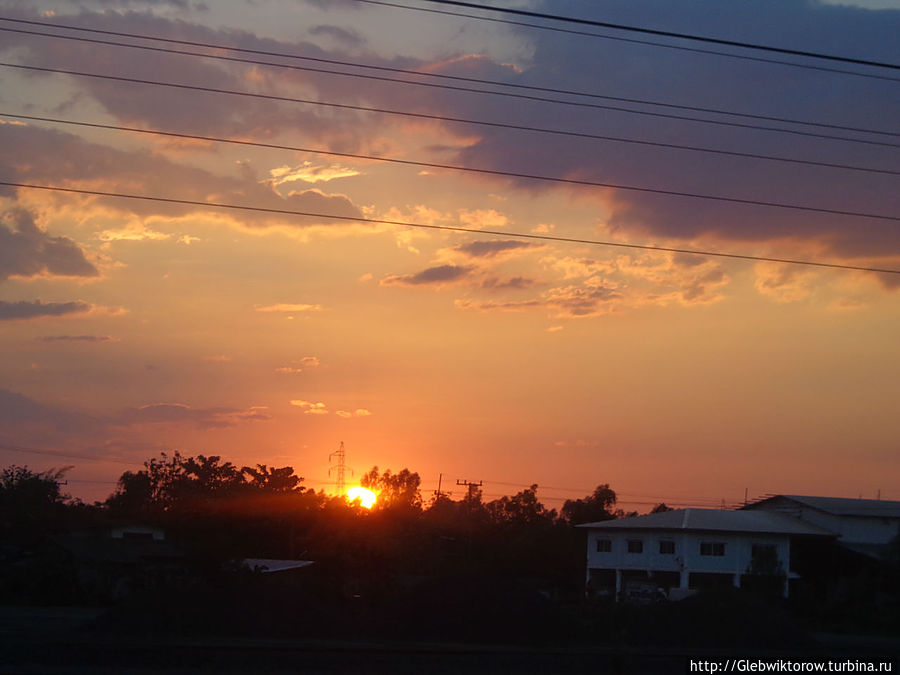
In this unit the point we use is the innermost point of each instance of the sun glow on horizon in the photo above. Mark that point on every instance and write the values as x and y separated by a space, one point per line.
366 497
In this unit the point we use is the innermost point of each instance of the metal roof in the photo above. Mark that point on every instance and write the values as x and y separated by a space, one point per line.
841 506
718 520
269 565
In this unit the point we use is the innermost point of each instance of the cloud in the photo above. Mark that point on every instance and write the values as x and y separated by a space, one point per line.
784 283
77 338
310 407
846 305
579 301
108 169
26 250
359 412
683 78
513 283
577 268
441 274
309 173
28 422
133 232
289 307
304 363
494 248
36 309
601 297
178 413
347 37
17 411
483 219
580 443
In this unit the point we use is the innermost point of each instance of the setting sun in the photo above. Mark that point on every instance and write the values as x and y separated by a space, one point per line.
366 497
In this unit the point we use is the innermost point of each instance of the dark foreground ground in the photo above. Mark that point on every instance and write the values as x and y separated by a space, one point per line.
70 641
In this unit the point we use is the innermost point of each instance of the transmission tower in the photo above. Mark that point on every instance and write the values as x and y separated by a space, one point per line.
339 469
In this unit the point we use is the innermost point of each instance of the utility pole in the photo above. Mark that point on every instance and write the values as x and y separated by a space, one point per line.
339 468
438 493
471 486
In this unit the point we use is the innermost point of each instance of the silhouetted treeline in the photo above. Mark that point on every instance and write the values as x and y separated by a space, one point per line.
218 512
222 511
509 569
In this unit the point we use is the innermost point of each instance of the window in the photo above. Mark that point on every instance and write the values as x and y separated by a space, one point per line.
635 546
667 547
604 546
716 548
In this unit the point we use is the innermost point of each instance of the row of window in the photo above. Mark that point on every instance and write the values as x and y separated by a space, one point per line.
666 547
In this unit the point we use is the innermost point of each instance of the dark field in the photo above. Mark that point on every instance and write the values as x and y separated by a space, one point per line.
70 641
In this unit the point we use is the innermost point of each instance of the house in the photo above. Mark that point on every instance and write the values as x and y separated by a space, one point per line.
114 562
685 549
864 526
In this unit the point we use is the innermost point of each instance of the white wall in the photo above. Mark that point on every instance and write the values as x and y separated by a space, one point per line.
736 560
852 529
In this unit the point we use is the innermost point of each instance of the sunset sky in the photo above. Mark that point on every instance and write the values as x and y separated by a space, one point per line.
130 327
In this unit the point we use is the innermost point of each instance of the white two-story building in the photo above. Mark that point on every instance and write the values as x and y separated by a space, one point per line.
865 526
685 549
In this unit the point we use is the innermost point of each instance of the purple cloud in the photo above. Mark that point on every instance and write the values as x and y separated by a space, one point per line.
26 250
491 249
442 274
77 338
34 309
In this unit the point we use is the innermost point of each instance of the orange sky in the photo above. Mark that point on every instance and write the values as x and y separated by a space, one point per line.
132 327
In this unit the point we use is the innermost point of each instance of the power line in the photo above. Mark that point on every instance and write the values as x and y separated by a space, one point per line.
621 497
507 94
450 228
442 118
65 455
660 191
617 186
319 151
696 50
669 34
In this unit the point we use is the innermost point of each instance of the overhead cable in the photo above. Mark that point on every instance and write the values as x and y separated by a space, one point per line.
696 50
431 165
569 181
668 34
447 118
450 228
507 94
64 455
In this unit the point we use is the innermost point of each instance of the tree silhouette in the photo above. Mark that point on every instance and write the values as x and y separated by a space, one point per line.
31 503
594 508
272 480
522 509
395 490
173 483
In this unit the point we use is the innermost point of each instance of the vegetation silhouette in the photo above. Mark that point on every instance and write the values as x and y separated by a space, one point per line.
507 570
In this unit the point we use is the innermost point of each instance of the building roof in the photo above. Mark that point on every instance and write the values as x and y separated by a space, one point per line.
840 506
269 565
716 520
